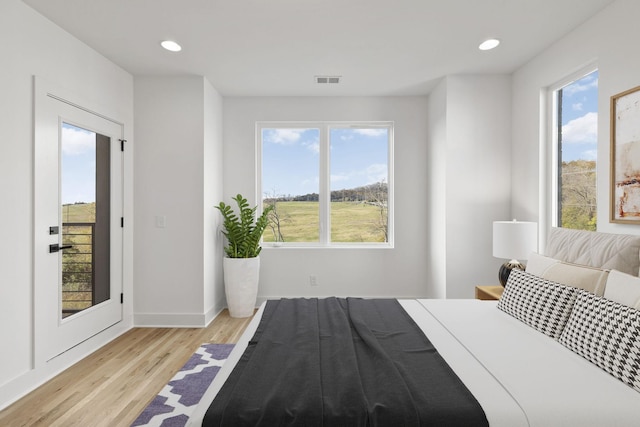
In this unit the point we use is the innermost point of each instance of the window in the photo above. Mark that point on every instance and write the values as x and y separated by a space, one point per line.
329 183
575 132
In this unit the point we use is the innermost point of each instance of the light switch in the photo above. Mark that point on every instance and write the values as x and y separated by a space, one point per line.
161 221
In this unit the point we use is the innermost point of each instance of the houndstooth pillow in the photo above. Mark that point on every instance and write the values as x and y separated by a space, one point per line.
607 334
540 303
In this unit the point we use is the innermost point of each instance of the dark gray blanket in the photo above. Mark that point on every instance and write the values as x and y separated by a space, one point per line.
342 362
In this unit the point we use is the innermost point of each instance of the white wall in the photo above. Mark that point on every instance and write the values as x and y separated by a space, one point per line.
436 188
214 299
469 125
610 39
401 271
38 47
178 138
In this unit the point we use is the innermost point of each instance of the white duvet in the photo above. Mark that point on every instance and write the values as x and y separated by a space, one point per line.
520 376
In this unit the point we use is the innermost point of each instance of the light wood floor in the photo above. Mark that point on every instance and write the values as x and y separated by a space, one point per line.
112 386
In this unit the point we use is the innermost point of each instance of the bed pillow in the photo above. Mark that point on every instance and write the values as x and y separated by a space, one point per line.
607 334
591 279
541 304
623 288
537 264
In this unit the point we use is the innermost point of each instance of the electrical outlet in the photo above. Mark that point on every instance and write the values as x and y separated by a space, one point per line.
161 221
313 281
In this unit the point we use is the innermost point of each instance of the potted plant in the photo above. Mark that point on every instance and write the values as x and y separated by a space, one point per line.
241 266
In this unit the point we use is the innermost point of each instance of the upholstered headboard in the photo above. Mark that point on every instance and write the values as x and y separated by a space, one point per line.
595 249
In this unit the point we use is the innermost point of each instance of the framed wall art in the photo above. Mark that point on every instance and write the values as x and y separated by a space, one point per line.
625 157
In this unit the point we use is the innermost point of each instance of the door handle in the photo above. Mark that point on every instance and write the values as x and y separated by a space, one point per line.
55 247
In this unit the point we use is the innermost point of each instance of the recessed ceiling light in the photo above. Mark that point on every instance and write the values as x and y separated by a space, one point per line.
171 45
489 44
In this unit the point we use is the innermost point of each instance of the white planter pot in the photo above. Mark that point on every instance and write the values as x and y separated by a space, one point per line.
241 277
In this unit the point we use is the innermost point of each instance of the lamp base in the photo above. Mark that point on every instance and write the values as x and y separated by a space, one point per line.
505 270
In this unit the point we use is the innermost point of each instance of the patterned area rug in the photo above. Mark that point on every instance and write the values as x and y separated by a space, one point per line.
177 400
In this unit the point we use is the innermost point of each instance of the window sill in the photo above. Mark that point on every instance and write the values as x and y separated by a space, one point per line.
287 246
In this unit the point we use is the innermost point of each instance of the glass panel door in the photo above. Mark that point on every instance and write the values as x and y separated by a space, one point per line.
78 223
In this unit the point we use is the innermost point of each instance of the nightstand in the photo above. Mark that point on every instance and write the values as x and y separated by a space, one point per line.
489 293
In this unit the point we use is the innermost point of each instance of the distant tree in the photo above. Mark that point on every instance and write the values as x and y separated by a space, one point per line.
578 195
377 195
276 218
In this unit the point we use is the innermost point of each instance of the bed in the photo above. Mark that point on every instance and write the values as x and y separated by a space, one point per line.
524 358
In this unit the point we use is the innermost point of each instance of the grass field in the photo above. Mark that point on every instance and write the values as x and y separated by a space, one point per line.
350 222
79 212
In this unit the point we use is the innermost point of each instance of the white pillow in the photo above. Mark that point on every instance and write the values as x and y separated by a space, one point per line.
580 276
623 288
537 264
591 279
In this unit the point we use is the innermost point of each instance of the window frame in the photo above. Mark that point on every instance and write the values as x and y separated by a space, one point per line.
550 145
324 175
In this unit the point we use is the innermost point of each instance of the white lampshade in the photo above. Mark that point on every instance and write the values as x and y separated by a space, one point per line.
514 239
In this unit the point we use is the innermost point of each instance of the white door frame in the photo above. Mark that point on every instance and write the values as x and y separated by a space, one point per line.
53 105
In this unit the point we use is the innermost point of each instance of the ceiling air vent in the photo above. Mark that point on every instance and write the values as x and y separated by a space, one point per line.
327 79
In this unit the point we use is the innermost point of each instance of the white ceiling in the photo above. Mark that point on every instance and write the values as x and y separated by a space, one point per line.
276 47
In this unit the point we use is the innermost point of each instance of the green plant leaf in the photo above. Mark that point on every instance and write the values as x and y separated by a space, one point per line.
242 230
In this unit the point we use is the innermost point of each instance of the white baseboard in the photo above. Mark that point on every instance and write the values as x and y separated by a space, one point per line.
171 320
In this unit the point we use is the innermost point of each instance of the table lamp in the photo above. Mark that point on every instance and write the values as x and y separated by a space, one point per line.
513 240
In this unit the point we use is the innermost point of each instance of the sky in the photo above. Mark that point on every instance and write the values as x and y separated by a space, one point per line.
580 119
78 165
291 159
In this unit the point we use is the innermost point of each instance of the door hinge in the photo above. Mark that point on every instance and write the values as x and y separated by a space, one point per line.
122 222
121 298
122 141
